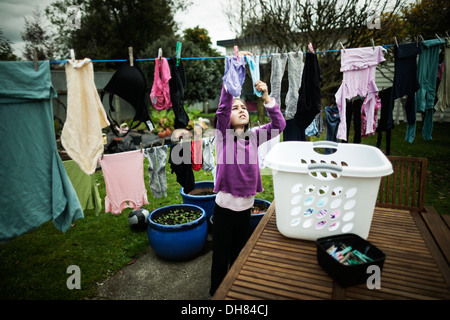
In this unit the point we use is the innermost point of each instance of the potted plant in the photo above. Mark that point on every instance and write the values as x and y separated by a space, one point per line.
177 232
164 123
203 196
260 207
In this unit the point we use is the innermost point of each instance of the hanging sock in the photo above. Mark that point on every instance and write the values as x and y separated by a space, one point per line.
208 147
81 136
278 66
253 64
196 154
157 158
124 181
295 72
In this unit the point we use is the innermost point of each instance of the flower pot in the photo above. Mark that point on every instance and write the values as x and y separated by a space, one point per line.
179 241
256 217
199 198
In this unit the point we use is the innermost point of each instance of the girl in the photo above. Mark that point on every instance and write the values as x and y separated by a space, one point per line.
238 178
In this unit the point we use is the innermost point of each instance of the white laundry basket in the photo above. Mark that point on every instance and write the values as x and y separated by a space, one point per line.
319 195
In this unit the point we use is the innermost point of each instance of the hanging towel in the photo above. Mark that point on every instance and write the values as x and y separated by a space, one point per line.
160 94
358 66
309 95
427 68
34 185
253 63
234 75
443 92
157 158
82 132
85 187
124 181
177 83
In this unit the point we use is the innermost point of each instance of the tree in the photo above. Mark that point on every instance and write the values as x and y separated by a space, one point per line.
108 28
293 24
6 51
427 18
36 37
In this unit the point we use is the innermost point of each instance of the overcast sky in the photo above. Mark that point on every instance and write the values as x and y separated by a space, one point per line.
208 14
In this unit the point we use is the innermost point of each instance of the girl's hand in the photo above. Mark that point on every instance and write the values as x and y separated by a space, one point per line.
262 86
245 53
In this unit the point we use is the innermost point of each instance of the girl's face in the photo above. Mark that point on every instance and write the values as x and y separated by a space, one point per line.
239 114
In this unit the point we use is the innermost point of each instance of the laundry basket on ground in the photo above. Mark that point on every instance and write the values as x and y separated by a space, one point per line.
318 194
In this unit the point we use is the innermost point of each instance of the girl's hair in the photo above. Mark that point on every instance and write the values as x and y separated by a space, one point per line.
247 126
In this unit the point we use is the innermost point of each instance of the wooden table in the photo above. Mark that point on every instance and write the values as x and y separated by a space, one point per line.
272 266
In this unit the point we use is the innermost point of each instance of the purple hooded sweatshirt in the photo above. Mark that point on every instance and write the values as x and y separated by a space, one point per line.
237 170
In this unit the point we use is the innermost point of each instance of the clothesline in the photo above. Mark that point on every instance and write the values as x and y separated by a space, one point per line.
202 58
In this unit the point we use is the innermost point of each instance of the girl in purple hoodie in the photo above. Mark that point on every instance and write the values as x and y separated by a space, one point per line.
238 178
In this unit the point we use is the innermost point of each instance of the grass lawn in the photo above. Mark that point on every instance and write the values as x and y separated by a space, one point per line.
34 265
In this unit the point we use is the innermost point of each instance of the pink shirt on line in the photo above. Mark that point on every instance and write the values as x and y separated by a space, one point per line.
124 180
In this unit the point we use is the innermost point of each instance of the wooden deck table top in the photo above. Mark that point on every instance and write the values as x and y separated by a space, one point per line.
272 266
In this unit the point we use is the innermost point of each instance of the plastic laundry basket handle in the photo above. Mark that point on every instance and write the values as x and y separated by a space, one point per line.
325 144
334 168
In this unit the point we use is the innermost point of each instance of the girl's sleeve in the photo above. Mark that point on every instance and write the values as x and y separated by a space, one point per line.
277 122
224 111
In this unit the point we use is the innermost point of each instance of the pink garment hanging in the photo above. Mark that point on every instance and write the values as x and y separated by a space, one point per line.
124 181
160 94
358 66
375 119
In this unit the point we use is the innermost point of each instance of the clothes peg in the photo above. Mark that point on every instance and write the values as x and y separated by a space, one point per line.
130 54
159 58
373 44
140 146
396 43
72 55
35 59
421 37
311 48
236 53
178 52
343 48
